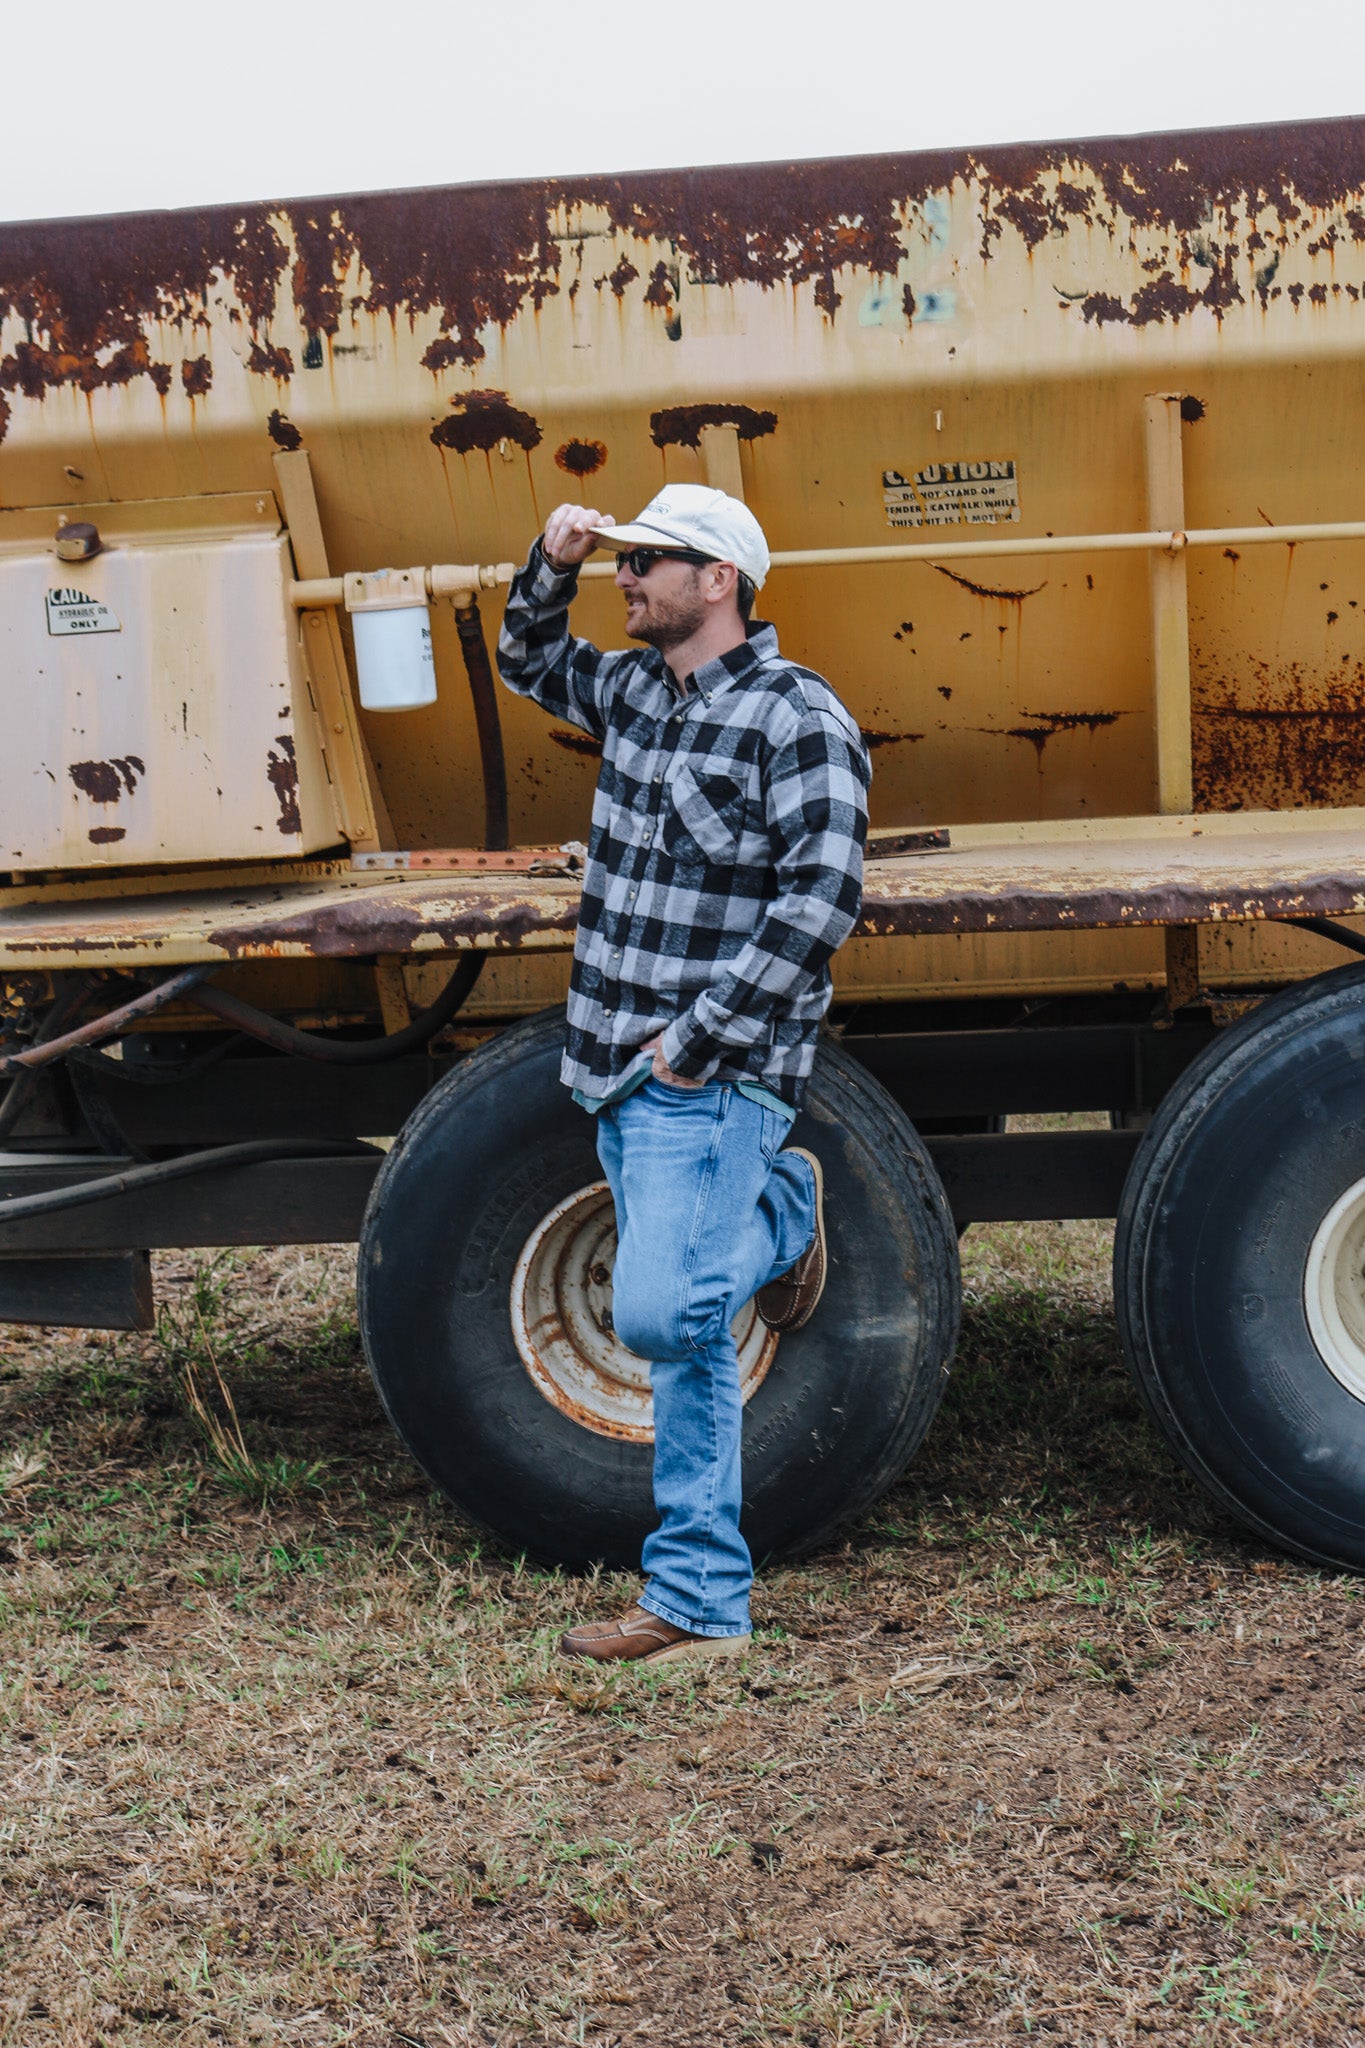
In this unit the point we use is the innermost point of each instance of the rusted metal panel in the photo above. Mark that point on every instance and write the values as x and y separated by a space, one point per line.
1117 882
84 295
1144 877
153 696
451 363
345 919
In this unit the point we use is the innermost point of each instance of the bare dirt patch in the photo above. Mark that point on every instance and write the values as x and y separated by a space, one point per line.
1044 1749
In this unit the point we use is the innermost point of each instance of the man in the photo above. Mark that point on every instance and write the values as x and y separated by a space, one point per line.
724 868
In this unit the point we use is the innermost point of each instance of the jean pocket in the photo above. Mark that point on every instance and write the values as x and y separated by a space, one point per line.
678 1090
772 1133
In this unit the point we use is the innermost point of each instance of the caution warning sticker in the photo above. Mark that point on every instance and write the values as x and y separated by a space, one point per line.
952 494
74 611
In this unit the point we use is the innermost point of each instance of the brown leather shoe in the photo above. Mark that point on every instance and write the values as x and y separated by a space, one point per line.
790 1300
640 1637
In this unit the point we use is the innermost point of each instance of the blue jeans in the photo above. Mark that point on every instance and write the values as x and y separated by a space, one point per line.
707 1212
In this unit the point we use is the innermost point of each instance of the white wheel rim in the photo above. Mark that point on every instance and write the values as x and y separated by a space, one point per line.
561 1319
1334 1290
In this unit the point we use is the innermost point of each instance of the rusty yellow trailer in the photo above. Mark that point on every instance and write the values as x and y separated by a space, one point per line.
1056 450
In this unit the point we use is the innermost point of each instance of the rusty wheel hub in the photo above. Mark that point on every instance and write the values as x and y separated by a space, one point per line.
561 1319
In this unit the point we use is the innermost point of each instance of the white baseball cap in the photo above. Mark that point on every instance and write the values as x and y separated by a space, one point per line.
692 516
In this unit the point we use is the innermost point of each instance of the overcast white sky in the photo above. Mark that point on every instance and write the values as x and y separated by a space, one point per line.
156 103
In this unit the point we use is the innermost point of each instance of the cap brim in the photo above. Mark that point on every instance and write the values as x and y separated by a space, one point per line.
640 536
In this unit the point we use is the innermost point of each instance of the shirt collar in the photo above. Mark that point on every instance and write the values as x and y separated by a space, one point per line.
713 677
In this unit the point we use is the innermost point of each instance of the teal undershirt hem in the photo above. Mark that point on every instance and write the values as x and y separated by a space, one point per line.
635 1077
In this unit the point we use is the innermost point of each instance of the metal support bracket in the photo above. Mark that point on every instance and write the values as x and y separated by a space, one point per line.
720 463
361 817
1170 605
1182 966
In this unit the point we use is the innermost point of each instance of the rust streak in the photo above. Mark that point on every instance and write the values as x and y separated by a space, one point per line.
680 426
575 742
581 458
283 432
268 361
83 290
480 419
987 589
369 924
283 775
105 781
625 273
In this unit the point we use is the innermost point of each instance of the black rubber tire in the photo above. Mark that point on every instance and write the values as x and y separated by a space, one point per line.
841 1410
1243 1159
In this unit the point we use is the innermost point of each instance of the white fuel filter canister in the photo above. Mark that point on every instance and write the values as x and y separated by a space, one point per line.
392 625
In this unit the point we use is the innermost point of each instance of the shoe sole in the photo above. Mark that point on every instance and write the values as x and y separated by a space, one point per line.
799 1323
818 1170
699 1649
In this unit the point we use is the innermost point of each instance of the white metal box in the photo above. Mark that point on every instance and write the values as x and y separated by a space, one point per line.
153 700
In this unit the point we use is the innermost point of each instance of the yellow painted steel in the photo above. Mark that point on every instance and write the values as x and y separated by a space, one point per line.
1146 336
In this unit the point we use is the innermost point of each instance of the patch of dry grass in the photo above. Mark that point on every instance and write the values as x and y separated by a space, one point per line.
1043 1749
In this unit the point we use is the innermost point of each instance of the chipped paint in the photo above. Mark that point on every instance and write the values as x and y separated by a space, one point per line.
1281 750
104 782
481 419
1045 725
988 589
282 772
680 426
576 742
581 458
1148 878
84 296
267 361
283 432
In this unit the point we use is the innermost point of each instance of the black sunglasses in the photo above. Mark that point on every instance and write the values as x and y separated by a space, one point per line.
641 560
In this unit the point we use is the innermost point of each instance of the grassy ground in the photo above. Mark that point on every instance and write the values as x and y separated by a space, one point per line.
1044 1749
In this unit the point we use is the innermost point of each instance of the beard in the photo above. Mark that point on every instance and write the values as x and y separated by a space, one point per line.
669 620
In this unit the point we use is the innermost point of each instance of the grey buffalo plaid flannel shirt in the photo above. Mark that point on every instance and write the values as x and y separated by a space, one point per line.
725 858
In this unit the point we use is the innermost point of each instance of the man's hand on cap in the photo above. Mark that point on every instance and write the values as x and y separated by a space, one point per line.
568 536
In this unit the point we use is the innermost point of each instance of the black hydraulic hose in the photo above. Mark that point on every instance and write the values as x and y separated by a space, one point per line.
67 1004
483 690
1325 929
153 1075
103 1125
342 1052
81 1193
111 1023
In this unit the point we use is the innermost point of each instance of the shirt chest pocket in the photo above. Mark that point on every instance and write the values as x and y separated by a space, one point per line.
706 818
